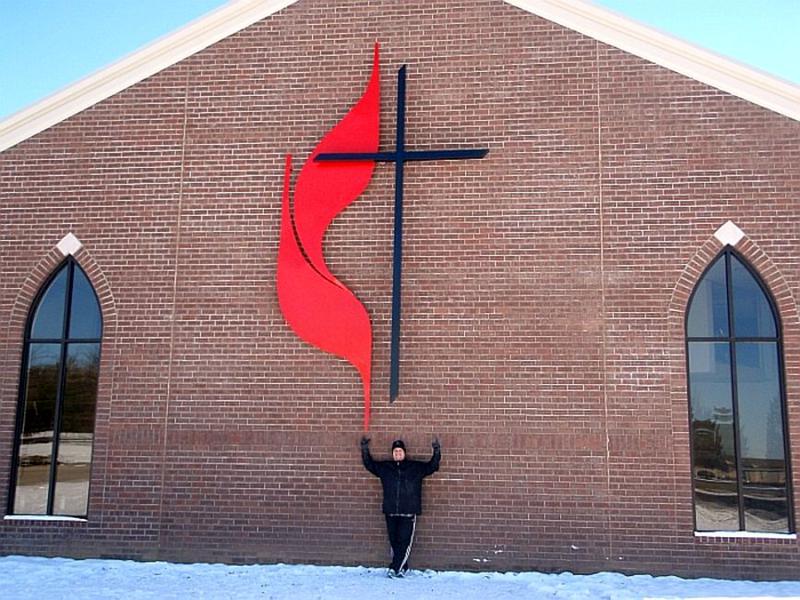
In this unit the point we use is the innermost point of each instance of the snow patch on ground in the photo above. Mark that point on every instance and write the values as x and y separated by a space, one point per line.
23 578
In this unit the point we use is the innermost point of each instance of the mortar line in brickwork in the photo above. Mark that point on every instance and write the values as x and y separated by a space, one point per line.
603 315
173 312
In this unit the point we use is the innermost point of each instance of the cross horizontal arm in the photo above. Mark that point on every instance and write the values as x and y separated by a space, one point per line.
403 156
351 156
446 154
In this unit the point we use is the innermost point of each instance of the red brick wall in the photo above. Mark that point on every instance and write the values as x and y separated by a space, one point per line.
544 294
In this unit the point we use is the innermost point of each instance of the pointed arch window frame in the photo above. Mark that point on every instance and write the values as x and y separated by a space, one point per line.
69 264
731 339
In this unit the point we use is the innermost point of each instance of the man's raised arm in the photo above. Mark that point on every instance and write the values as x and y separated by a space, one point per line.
366 457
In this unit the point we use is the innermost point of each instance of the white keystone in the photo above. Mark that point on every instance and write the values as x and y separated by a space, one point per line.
69 245
729 234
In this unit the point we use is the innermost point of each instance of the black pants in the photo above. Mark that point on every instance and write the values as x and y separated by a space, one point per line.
401 537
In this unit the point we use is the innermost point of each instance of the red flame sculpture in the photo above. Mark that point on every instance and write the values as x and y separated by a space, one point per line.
315 304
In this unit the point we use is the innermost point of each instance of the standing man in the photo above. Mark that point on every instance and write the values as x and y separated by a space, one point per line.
402 496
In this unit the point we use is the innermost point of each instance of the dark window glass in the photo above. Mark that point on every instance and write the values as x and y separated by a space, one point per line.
708 314
84 320
736 404
752 314
48 320
57 403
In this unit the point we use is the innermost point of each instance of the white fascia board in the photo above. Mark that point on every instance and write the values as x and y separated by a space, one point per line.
662 49
165 52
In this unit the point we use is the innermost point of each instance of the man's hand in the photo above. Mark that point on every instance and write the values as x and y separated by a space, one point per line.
364 442
435 444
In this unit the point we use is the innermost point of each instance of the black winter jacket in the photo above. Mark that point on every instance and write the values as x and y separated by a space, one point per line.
402 481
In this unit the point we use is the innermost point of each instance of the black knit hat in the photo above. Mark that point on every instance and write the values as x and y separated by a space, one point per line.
398 444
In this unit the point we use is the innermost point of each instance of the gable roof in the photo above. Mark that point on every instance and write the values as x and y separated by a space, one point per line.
601 24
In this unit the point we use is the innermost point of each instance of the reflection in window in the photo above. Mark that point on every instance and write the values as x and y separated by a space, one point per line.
55 431
736 403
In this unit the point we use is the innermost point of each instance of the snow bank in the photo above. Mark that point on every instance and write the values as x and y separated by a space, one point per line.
52 578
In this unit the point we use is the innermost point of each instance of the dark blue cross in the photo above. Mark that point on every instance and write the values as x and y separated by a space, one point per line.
399 157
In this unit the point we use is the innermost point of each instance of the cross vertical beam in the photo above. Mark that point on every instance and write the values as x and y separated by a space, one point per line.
397 259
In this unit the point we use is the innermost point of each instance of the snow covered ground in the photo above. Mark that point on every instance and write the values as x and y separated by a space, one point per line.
52 578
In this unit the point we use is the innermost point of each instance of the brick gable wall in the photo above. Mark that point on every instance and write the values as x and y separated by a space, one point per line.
544 290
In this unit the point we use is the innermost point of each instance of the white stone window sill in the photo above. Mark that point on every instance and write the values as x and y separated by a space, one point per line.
746 534
43 518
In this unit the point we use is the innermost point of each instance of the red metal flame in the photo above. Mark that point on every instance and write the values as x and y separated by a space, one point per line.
324 189
316 305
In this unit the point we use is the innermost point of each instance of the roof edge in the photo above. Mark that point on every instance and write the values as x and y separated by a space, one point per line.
646 42
135 67
596 22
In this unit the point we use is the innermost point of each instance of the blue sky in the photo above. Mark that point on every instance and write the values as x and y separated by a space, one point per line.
46 45
760 33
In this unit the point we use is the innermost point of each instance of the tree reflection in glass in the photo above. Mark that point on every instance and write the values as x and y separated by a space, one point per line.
36 444
761 434
77 427
715 478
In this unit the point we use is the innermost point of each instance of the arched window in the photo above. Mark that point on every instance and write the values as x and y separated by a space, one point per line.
58 393
736 399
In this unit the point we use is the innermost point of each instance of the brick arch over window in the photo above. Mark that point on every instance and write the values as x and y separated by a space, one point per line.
787 308
12 358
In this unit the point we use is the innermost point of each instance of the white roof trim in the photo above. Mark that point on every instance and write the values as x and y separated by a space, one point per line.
599 23
157 56
662 49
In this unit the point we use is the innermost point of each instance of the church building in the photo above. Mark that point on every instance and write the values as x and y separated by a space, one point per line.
563 243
